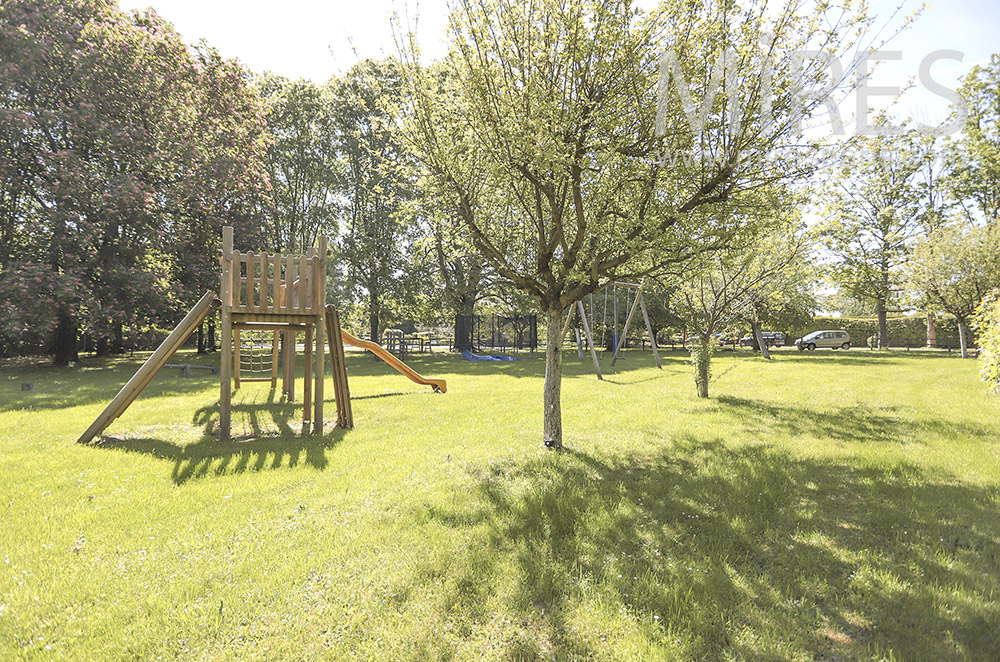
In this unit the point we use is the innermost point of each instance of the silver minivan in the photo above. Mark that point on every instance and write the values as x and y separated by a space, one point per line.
832 339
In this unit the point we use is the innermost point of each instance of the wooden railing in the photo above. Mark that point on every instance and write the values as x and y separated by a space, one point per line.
276 284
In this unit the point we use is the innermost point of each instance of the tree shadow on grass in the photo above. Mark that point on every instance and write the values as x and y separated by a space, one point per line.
705 551
94 382
271 444
378 396
857 423
852 424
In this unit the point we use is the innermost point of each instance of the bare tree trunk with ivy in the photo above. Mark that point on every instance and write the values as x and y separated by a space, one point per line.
552 394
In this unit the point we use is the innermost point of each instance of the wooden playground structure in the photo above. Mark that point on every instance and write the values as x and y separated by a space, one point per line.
279 296
285 295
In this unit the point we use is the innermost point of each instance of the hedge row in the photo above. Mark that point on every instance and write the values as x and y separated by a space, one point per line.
903 331
988 327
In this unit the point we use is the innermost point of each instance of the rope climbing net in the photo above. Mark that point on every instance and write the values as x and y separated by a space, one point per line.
256 351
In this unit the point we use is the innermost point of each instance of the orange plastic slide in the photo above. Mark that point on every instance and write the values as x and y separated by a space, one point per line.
439 385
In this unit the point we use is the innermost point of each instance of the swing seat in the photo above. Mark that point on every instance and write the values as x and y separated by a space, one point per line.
469 356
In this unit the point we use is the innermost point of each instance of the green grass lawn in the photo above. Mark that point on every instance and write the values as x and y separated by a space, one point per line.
829 505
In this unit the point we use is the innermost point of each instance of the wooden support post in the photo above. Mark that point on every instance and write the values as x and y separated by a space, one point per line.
628 320
288 366
303 292
275 345
307 382
319 304
153 364
338 365
237 342
226 365
565 330
590 339
649 329
251 263
285 361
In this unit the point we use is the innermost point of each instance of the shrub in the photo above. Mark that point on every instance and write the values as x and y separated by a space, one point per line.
987 325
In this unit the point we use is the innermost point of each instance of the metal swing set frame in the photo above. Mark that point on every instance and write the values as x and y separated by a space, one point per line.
637 302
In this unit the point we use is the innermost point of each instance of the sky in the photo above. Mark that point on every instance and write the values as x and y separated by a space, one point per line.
316 39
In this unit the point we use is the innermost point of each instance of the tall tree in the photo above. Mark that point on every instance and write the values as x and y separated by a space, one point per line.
460 277
567 170
122 127
975 165
730 286
873 204
378 180
301 161
462 271
786 297
954 268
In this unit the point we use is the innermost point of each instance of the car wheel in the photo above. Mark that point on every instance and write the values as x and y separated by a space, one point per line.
811 346
846 345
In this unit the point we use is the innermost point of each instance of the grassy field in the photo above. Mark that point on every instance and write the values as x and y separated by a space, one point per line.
829 505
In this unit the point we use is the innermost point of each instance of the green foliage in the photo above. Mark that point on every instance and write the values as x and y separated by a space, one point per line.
301 161
846 305
955 267
759 281
873 203
377 181
665 312
119 142
26 326
974 164
540 125
459 277
987 324
785 295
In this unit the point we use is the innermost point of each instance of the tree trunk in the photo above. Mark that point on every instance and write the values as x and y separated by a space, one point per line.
961 338
201 338
760 341
118 333
931 330
703 359
468 304
374 309
552 393
883 327
65 341
211 336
